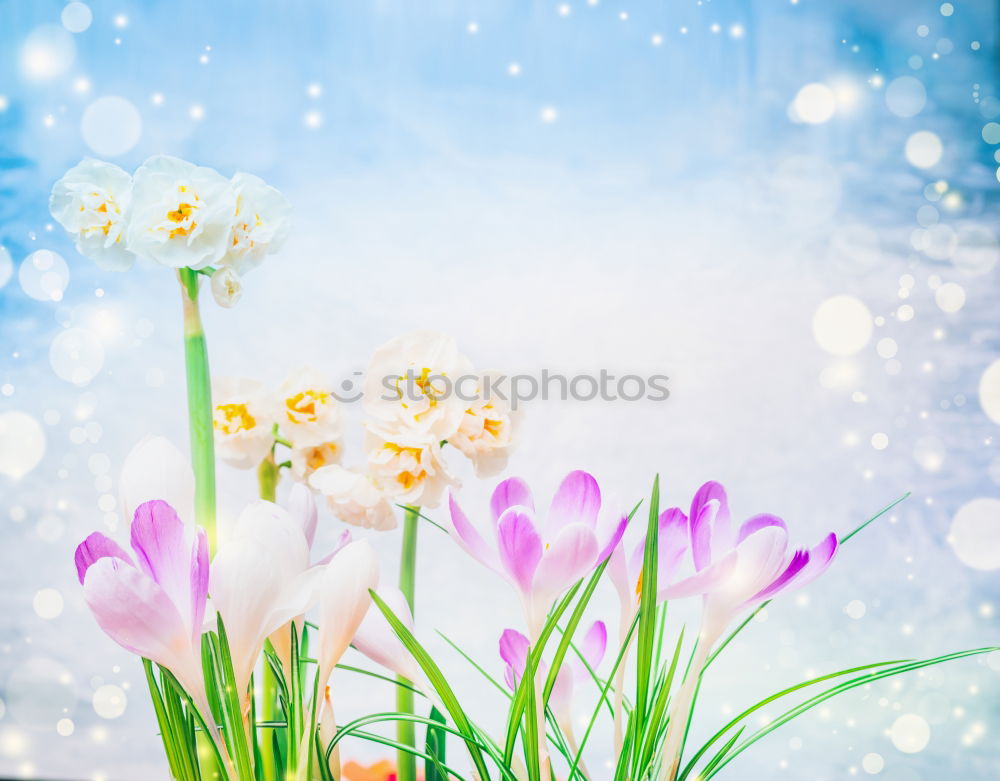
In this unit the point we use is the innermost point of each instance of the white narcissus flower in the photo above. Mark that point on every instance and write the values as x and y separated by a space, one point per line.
261 223
91 202
306 460
409 470
410 385
243 419
182 214
310 415
487 435
353 497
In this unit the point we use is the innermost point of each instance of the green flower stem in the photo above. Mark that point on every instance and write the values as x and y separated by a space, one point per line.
199 393
406 763
267 482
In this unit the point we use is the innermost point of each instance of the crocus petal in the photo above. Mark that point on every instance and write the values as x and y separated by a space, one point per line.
758 522
344 599
577 500
199 582
820 558
709 523
612 540
376 639
594 644
568 558
512 492
799 560
97 546
519 545
156 469
342 541
302 507
700 582
166 550
618 572
260 581
759 559
561 696
465 534
137 613
514 651
672 537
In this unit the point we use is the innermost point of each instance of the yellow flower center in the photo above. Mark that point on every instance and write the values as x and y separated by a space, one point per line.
301 408
179 215
320 456
232 418
408 478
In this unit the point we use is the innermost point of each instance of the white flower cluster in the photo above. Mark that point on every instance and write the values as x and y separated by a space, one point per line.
405 433
174 213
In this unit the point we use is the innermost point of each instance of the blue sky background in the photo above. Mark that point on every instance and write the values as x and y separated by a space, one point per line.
636 196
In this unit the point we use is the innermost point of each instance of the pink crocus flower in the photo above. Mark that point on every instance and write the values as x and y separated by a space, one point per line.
761 568
152 603
541 558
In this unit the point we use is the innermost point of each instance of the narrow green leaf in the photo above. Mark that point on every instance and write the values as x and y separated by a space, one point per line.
438 681
839 689
647 612
772 698
434 746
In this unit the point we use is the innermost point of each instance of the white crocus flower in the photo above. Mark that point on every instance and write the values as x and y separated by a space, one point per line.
261 223
409 470
243 418
410 385
344 600
487 435
260 580
353 497
182 214
156 469
91 202
310 415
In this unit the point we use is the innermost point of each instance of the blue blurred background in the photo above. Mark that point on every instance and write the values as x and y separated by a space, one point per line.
686 188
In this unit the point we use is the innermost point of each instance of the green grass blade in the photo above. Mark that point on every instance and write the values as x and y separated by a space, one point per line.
435 747
499 686
604 693
167 733
839 689
647 613
772 698
438 681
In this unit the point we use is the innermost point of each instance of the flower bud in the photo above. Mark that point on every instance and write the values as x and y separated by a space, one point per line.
227 287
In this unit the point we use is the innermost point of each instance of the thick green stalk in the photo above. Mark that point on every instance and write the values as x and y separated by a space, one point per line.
199 394
406 763
267 482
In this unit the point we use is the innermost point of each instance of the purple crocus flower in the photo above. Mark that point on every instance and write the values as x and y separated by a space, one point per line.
541 557
152 603
762 566
514 649
761 569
